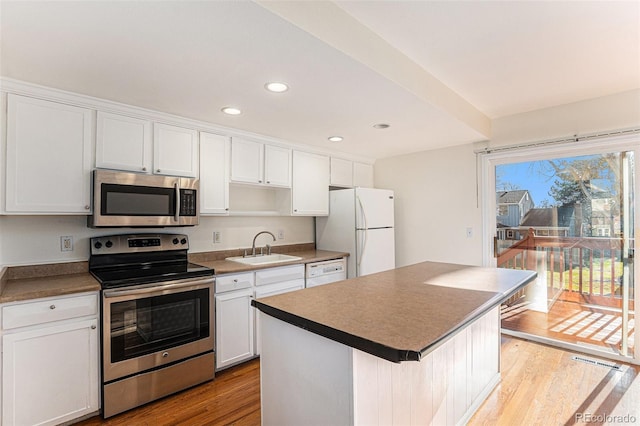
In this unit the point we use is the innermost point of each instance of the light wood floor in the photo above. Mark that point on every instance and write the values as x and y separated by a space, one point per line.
540 385
571 322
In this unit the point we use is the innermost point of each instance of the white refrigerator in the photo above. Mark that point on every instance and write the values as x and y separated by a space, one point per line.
360 222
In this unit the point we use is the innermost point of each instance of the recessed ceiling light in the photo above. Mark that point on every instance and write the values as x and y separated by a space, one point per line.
231 110
335 138
381 126
276 87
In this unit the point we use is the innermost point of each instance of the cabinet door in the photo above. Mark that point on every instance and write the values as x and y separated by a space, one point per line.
341 172
214 174
273 290
247 161
123 143
363 175
50 374
49 156
234 327
175 151
277 166
310 185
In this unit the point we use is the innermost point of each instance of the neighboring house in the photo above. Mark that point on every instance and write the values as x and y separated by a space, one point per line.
511 206
605 221
552 221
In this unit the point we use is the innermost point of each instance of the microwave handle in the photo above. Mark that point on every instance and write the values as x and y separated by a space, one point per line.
177 214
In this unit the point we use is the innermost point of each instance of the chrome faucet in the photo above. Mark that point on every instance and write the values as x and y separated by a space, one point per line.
253 246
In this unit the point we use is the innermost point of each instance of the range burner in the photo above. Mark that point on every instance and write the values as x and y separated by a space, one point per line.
136 259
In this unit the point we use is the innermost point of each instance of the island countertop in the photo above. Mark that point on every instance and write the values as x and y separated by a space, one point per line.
401 314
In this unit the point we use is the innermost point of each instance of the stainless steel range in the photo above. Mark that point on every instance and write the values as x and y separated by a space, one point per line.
157 318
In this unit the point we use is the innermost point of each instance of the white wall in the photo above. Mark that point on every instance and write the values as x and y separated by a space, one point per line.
436 190
36 239
614 112
435 202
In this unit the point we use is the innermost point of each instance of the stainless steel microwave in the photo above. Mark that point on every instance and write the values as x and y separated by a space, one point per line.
138 200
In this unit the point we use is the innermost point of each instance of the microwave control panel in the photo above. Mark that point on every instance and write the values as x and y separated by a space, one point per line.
188 202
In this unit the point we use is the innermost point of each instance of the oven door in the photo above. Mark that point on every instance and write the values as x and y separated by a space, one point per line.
145 327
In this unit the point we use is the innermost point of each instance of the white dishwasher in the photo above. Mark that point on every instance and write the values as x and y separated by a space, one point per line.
328 271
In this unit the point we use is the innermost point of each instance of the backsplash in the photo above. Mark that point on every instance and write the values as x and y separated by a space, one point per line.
29 240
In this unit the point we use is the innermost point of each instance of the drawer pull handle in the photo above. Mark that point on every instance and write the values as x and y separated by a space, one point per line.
93 327
235 280
52 307
165 354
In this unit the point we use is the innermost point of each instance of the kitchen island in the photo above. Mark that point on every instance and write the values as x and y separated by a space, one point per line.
414 345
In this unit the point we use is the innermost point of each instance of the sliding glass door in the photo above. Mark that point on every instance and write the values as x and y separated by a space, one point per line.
567 212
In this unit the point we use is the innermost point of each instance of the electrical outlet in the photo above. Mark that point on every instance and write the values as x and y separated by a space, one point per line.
66 243
217 238
281 234
469 232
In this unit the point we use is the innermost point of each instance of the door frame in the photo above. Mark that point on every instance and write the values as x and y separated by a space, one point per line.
540 151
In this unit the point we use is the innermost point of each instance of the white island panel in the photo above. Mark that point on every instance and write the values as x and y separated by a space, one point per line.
309 379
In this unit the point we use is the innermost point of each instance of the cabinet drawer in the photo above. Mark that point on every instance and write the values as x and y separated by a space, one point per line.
47 310
276 275
233 282
279 288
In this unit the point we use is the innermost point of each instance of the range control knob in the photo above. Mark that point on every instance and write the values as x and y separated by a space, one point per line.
183 241
175 241
98 245
108 244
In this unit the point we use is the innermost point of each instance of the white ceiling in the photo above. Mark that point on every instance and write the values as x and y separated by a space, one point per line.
437 72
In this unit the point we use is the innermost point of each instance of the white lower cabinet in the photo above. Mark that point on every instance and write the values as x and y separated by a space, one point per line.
295 281
236 327
50 360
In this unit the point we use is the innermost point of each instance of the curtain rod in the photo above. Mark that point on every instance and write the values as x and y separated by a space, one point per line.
573 139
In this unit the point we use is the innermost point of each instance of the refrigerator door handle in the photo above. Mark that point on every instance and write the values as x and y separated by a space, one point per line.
364 215
364 232
362 248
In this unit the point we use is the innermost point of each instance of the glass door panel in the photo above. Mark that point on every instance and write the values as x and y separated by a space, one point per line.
571 220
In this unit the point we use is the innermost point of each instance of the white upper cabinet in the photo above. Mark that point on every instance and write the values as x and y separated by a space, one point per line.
260 164
349 174
341 172
277 166
175 150
123 143
310 193
247 161
363 175
214 174
49 157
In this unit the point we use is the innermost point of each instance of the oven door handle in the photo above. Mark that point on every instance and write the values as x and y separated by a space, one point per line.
157 288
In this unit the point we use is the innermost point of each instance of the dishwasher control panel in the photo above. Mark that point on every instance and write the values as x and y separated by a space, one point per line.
327 267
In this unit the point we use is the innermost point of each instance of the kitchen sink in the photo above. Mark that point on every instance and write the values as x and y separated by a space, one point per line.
263 259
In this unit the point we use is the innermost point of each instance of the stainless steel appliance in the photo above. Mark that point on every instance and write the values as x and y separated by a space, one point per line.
157 318
133 199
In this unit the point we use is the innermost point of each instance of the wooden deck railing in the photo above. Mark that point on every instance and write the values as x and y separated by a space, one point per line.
585 269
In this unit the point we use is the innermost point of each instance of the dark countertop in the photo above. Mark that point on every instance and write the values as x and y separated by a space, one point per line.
398 315
19 283
308 256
